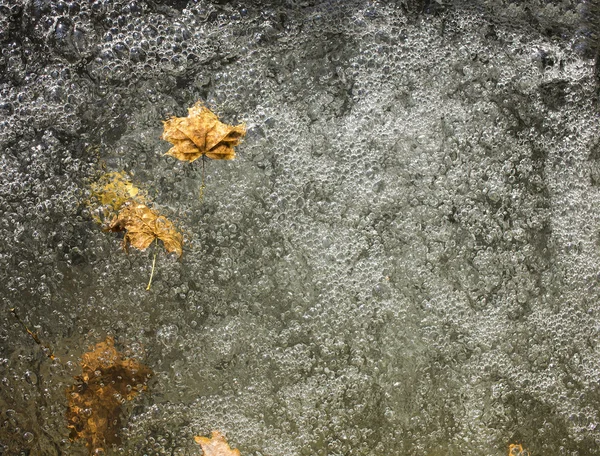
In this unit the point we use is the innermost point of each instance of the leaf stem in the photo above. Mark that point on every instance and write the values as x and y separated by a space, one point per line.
153 264
47 351
203 186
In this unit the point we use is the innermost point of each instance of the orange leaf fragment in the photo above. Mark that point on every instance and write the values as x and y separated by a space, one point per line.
143 225
216 445
517 450
107 381
201 133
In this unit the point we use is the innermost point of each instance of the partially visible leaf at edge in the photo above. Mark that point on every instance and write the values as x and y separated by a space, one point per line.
517 450
216 445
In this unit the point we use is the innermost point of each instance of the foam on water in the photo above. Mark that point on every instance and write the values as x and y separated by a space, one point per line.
403 259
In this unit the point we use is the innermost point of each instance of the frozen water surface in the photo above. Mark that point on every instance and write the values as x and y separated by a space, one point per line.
403 259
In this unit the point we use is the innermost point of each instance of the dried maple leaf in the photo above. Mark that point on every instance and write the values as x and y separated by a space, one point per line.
201 133
216 445
143 225
107 381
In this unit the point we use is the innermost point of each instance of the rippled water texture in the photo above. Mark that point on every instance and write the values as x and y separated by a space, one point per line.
403 258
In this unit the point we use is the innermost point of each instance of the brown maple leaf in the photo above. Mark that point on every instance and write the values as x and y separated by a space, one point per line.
143 225
201 133
216 445
95 401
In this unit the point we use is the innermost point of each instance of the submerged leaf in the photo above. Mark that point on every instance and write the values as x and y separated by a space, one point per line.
143 225
114 189
216 445
110 192
201 133
107 381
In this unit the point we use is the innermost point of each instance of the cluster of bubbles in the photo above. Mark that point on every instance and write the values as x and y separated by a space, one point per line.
392 265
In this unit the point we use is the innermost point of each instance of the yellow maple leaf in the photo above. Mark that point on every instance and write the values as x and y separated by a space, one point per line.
114 189
201 133
216 445
95 400
143 225
110 192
